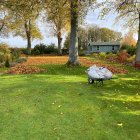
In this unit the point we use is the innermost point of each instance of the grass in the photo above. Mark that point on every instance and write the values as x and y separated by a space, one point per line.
60 105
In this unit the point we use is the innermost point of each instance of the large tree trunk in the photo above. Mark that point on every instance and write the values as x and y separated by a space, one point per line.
137 61
28 35
73 49
59 43
28 44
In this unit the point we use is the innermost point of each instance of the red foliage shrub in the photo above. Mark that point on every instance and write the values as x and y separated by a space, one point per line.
122 57
137 65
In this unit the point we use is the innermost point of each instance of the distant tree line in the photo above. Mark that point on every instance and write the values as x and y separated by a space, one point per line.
93 33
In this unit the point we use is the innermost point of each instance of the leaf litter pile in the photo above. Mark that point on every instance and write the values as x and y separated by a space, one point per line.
113 69
25 69
30 66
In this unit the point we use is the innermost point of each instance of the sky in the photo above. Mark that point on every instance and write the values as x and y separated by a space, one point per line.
91 18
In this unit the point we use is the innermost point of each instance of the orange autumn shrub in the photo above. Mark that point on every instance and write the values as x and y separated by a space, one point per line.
122 57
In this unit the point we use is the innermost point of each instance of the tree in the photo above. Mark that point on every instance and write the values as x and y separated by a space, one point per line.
132 10
129 10
67 41
108 35
129 39
59 17
93 34
4 18
23 19
82 39
77 8
96 33
73 49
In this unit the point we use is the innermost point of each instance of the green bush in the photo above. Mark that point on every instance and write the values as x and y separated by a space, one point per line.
102 55
132 51
51 49
65 51
21 60
36 52
129 49
23 51
81 53
7 63
95 55
17 61
110 55
15 53
4 53
39 49
43 49
124 47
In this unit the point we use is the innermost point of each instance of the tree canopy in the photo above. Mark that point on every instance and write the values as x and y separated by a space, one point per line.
59 16
94 33
23 15
129 11
4 18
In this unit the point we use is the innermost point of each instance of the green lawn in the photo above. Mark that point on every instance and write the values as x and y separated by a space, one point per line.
60 105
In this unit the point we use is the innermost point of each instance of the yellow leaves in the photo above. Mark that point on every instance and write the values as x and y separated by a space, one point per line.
35 32
16 24
61 113
59 106
21 11
59 15
4 52
111 106
55 129
120 124
129 39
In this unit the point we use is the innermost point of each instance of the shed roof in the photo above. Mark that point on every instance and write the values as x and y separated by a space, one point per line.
104 43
